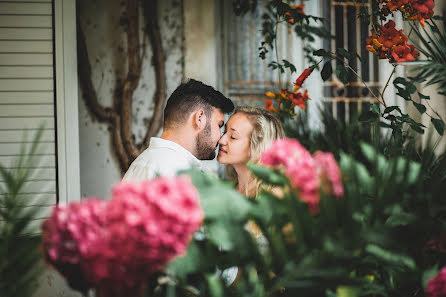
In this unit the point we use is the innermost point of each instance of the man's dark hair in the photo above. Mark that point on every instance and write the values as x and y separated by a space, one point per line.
190 96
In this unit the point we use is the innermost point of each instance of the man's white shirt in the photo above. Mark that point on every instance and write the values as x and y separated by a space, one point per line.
162 158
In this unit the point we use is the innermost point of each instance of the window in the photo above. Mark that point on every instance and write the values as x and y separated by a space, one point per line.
350 33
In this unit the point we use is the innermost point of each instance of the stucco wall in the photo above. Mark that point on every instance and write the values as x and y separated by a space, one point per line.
106 44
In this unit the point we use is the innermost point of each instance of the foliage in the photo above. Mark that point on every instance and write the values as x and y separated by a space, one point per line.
387 43
432 44
372 242
20 260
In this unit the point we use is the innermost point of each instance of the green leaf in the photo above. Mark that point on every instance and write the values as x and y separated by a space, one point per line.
384 125
375 108
421 108
220 234
405 88
423 96
439 125
187 264
401 219
268 175
327 71
322 53
411 88
368 151
414 172
219 199
330 293
215 285
392 108
344 53
390 257
429 274
347 291
368 116
289 65
417 128
342 74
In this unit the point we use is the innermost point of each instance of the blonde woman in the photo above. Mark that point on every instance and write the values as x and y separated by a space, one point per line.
248 133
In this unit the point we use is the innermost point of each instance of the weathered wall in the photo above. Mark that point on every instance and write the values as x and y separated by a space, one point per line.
106 42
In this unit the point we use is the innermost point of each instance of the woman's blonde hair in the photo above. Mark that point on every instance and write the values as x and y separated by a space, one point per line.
266 129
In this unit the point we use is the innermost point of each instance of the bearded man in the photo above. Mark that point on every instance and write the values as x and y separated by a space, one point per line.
193 117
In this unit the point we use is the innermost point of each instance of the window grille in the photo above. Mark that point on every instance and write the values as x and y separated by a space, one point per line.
246 77
350 33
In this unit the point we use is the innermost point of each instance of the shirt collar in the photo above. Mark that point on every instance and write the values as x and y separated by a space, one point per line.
156 142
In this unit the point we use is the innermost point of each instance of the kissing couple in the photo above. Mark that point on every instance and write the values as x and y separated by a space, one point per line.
193 118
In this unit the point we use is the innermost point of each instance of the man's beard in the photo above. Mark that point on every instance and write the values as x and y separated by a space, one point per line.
205 147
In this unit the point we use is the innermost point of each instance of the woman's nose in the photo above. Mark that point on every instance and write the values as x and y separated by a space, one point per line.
222 140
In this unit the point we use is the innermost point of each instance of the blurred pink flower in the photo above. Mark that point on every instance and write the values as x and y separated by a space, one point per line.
306 173
436 287
283 152
71 232
303 176
117 244
330 173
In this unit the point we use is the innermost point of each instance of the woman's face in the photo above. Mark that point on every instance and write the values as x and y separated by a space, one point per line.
235 142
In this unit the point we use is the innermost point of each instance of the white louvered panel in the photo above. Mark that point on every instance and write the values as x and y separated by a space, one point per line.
26 98
40 1
26 46
41 199
25 123
26 84
13 149
17 136
25 34
35 226
36 187
26 59
40 174
21 21
27 110
43 162
26 72
25 8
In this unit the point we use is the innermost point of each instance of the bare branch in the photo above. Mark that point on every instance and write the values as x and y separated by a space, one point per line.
132 79
158 61
101 113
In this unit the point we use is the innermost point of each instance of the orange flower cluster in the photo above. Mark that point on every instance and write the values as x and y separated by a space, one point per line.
411 9
299 9
286 100
391 44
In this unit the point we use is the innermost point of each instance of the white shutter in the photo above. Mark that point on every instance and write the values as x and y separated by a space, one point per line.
27 97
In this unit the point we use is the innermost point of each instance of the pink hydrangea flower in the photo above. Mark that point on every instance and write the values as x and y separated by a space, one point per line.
306 173
330 172
151 222
282 152
304 178
116 245
69 233
436 287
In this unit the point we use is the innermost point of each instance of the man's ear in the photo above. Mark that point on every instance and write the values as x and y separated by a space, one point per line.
199 119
